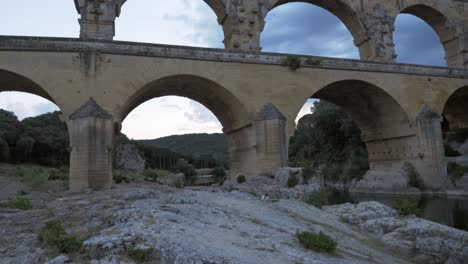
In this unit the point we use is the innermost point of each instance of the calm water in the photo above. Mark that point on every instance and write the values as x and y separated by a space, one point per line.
451 211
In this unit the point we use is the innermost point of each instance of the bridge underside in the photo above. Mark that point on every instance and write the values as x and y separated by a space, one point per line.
398 107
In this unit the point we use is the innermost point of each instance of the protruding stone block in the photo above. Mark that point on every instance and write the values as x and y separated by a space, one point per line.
98 18
270 127
91 133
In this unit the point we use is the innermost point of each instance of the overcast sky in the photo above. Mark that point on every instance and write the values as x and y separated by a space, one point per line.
292 28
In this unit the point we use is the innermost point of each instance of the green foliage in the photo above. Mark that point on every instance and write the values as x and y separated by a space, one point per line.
4 151
59 174
19 202
121 176
293 62
201 150
53 234
293 181
329 140
317 242
405 204
34 179
10 127
187 169
151 175
456 171
318 198
450 152
24 148
219 173
141 255
241 179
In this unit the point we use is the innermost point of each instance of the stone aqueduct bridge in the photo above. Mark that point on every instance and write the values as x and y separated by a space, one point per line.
96 82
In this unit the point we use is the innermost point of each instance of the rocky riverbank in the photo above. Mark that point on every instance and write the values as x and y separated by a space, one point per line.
220 225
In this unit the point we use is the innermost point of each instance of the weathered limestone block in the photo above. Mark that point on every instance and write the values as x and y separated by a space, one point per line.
91 133
98 18
270 127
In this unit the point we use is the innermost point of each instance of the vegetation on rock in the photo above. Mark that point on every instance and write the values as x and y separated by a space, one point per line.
53 234
293 180
405 205
456 171
318 198
19 202
317 242
241 179
293 62
141 255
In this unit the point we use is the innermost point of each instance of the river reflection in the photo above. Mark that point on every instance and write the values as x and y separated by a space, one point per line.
451 211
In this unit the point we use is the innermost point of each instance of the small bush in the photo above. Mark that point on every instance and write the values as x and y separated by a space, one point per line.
293 181
293 62
151 175
141 255
317 242
19 202
182 166
405 205
120 176
58 174
318 198
241 179
53 234
308 172
34 179
456 171
219 174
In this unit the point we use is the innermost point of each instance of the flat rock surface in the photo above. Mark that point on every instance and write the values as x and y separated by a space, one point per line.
194 225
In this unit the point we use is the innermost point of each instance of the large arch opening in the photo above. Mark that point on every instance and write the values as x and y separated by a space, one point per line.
177 22
212 127
424 36
34 141
455 126
293 27
353 126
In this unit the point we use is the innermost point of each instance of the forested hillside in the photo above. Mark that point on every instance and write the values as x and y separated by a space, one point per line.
195 145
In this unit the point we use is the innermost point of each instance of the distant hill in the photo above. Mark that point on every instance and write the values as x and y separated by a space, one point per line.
194 145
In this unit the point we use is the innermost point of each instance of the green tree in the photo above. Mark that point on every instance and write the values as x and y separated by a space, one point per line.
328 139
24 148
10 127
4 151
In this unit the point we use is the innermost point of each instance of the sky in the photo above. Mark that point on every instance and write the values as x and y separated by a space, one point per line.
298 28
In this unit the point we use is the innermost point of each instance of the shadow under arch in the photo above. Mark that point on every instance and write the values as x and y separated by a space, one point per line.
225 106
440 24
345 14
376 112
455 110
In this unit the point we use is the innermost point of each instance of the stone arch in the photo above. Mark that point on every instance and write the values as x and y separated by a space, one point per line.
455 110
218 7
345 13
376 112
229 110
440 23
224 105
13 82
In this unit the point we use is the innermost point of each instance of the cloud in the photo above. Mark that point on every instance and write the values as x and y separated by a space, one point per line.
25 105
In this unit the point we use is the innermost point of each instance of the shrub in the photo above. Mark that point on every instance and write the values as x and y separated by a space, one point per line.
4 150
151 175
120 176
182 166
405 205
53 234
219 173
293 62
308 172
58 174
318 242
241 179
34 179
293 181
318 198
19 202
141 255
456 171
